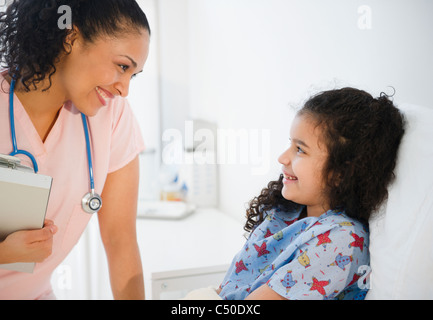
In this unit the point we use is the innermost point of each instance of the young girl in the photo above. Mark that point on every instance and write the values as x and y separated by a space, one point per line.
309 229
67 79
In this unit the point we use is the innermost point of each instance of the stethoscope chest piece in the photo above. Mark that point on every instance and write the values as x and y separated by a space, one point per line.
91 203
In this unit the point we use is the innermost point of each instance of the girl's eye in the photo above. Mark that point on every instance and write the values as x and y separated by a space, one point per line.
300 150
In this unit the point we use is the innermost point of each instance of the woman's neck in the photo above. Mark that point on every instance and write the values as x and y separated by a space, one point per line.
41 106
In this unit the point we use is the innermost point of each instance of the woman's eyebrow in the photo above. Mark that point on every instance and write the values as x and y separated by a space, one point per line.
132 61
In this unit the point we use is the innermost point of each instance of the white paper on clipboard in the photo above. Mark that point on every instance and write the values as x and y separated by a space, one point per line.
23 204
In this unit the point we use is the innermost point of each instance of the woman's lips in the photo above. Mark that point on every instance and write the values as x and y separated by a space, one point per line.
104 95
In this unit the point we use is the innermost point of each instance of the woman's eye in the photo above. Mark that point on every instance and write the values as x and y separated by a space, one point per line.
124 68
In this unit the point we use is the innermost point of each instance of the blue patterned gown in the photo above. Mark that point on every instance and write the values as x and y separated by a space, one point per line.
322 257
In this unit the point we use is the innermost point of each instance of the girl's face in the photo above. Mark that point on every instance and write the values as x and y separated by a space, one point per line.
94 73
303 166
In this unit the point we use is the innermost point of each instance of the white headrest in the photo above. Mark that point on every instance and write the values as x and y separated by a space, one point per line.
401 234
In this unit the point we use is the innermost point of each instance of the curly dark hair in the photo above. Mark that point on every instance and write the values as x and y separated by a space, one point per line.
362 135
31 40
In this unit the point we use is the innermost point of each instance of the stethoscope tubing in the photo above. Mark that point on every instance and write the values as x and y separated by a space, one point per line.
88 198
89 153
13 133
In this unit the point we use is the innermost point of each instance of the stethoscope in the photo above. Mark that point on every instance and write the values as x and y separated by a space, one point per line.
91 202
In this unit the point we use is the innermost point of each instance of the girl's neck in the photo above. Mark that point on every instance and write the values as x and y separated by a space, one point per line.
317 210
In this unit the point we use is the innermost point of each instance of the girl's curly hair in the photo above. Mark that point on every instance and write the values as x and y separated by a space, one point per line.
31 40
362 135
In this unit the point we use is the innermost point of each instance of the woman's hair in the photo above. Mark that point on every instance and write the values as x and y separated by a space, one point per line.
31 40
362 135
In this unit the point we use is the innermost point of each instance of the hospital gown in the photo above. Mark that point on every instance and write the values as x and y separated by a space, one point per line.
322 257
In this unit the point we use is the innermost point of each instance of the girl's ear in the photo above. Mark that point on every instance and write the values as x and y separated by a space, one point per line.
337 177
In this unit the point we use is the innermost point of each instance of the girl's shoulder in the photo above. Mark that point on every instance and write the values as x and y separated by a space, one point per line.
284 214
339 227
335 219
334 223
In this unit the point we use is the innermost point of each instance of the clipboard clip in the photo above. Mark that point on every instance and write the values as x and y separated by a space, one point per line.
9 161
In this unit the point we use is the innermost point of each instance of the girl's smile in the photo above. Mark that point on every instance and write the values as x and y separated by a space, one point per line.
289 178
303 164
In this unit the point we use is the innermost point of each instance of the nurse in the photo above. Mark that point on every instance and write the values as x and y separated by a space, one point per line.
62 73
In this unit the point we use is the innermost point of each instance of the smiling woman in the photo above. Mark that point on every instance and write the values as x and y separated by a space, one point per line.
105 67
63 76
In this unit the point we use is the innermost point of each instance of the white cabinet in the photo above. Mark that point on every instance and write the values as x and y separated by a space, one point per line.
182 255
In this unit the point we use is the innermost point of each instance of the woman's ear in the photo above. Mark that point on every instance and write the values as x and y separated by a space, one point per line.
70 39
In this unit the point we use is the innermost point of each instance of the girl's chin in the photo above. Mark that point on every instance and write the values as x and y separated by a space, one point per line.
287 196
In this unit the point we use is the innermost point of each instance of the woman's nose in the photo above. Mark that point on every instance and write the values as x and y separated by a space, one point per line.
122 87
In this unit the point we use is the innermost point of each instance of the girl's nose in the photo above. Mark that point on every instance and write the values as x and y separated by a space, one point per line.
285 158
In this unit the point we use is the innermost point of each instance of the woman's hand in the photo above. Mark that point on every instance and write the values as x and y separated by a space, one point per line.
28 246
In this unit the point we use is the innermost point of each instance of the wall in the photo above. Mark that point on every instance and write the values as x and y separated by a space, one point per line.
250 61
144 94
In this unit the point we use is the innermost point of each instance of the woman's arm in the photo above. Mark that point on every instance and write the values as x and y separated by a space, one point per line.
117 221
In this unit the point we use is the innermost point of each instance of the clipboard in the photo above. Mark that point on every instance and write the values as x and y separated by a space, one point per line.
24 198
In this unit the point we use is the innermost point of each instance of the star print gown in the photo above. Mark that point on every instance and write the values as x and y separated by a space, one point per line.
322 257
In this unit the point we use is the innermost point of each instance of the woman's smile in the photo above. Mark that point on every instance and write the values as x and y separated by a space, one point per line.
104 96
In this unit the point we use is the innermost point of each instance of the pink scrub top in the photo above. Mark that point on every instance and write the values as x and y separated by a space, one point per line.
116 141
